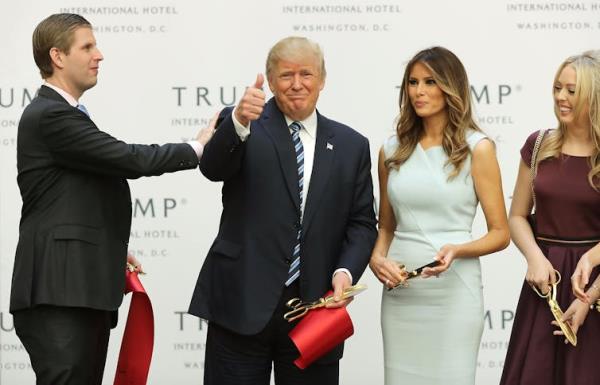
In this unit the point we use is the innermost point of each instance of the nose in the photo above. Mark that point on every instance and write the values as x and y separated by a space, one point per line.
562 94
99 55
420 88
297 84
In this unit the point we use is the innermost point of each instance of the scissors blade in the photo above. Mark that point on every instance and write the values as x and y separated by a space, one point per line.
348 292
416 272
566 328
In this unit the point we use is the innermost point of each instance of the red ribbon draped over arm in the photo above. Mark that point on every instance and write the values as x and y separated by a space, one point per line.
138 338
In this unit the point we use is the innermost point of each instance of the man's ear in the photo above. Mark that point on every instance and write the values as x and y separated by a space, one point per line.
56 56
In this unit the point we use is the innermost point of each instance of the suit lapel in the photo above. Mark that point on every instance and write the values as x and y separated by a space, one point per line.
276 128
324 153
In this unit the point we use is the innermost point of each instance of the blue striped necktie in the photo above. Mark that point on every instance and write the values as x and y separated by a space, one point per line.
294 271
82 108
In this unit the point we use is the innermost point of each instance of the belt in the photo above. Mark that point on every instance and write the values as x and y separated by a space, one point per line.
573 242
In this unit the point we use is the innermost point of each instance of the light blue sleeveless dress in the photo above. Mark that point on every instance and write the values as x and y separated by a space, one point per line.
432 328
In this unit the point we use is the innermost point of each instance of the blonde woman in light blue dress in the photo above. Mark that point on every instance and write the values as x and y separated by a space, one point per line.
432 175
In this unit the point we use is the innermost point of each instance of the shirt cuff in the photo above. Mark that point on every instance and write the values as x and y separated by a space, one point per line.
344 270
242 131
198 148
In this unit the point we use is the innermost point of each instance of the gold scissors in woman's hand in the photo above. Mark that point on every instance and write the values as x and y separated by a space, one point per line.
299 308
556 310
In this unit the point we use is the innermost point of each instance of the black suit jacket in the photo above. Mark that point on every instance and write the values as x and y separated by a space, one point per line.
76 213
243 276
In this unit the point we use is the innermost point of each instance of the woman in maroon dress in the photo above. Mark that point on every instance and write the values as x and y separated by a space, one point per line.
567 199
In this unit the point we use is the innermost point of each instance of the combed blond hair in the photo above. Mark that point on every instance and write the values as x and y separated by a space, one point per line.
587 91
293 48
450 75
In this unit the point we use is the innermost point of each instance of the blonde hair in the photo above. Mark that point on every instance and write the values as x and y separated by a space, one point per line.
587 90
295 47
451 77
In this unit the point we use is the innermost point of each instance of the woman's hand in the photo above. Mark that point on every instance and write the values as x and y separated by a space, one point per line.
445 256
540 273
581 277
387 271
574 316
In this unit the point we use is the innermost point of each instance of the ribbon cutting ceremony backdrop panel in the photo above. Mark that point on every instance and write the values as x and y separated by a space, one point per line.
171 64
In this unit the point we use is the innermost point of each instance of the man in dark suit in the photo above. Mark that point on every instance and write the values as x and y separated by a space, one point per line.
69 271
297 221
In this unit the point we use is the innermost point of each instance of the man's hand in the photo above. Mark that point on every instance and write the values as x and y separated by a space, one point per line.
251 105
340 282
206 133
135 263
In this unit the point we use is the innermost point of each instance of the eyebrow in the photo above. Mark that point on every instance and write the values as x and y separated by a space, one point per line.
568 84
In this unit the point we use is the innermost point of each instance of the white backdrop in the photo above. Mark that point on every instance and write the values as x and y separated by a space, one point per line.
170 64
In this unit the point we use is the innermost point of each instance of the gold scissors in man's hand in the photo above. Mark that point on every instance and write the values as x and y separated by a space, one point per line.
556 310
299 308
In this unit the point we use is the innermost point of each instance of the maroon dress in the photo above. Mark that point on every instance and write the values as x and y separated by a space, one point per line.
568 208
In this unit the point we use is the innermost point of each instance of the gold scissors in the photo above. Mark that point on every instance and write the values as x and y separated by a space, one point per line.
412 274
299 308
557 311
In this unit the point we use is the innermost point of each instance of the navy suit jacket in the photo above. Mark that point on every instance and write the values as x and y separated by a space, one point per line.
76 214
243 275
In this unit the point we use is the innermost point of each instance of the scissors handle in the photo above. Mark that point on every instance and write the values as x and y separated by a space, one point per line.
295 313
299 308
552 292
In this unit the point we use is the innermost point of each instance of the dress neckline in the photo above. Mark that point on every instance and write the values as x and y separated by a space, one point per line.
575 156
428 148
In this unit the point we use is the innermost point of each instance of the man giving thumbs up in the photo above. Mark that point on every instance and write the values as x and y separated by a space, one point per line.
297 221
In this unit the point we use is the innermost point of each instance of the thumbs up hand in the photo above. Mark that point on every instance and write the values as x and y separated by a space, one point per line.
251 105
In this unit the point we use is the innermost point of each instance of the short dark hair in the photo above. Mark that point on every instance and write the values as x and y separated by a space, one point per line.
55 31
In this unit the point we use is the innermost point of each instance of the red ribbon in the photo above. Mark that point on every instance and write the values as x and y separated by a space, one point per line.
138 339
319 331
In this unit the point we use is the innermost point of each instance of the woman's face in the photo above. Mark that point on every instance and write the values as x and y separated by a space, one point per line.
565 99
425 96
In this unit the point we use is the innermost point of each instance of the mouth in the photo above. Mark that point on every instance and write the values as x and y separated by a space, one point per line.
420 104
564 109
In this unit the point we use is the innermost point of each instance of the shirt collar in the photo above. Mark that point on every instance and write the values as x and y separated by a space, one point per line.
310 123
67 96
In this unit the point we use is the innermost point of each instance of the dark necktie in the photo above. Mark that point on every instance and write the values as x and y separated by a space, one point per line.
294 271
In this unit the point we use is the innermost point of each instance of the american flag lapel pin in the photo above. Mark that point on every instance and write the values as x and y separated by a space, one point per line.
329 146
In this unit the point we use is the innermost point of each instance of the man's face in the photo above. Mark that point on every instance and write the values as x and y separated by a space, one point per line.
80 66
296 85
